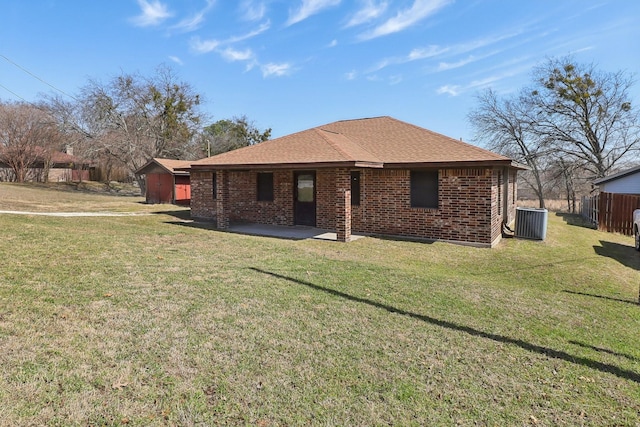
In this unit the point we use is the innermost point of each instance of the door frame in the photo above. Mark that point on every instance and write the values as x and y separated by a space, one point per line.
296 220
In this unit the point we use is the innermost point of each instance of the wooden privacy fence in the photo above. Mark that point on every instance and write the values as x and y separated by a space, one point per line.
611 212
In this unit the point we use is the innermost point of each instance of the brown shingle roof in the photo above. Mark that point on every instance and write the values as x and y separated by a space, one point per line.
373 142
170 165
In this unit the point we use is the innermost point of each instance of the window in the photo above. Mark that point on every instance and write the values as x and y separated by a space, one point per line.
355 188
424 189
214 185
265 187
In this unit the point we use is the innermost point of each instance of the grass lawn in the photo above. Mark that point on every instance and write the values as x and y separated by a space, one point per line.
149 320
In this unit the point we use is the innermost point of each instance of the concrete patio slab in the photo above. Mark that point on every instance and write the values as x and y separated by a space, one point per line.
296 232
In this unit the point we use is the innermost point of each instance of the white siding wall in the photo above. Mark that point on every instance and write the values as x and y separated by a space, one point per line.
629 184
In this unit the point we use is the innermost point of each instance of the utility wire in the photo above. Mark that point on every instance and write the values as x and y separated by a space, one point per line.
36 77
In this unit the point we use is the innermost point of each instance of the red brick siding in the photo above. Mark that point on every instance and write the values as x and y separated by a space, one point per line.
463 214
467 211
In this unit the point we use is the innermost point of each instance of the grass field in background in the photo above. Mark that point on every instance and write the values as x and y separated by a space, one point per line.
152 320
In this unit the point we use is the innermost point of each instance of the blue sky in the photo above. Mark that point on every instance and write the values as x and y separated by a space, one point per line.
292 65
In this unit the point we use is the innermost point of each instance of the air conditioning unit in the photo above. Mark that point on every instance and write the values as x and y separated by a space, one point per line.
531 223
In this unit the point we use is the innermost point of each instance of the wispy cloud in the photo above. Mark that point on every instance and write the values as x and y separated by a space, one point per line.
153 13
233 55
309 8
351 75
453 90
394 80
276 70
370 10
406 18
206 46
203 46
194 22
176 60
252 10
333 43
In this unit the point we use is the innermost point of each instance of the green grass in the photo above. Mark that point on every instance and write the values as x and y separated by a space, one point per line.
149 320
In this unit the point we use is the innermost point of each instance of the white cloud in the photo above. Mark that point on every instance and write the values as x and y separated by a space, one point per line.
253 10
394 80
261 29
453 90
309 8
333 43
426 52
192 23
370 11
351 75
443 66
153 13
176 60
203 46
233 55
404 19
276 70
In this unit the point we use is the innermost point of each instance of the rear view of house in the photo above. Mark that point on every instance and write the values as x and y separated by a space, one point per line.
165 183
378 176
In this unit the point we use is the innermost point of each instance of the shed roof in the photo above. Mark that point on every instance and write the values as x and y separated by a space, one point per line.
174 167
371 142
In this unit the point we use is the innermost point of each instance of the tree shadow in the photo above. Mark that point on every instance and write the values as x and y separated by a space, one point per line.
555 354
624 254
576 220
605 350
601 297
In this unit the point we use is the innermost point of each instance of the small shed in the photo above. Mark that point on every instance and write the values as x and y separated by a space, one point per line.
165 183
625 182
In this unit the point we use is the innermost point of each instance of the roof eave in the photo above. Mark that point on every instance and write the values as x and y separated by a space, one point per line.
297 165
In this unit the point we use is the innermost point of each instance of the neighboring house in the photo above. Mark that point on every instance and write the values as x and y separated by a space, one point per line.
625 182
57 166
376 176
166 184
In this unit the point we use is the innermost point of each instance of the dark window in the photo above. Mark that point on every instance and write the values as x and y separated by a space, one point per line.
424 189
265 187
355 188
214 185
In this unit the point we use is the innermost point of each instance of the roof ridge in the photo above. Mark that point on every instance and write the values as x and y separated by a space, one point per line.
332 144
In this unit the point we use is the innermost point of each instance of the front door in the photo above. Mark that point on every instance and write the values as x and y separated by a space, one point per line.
305 198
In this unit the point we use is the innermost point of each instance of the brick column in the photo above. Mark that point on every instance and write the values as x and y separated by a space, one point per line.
343 205
222 200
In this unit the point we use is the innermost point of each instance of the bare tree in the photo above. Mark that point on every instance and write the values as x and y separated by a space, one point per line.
27 135
504 126
585 113
133 118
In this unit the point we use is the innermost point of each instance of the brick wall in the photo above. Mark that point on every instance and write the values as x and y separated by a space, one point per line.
464 206
468 208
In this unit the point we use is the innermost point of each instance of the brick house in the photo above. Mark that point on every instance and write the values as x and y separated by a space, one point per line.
165 182
376 176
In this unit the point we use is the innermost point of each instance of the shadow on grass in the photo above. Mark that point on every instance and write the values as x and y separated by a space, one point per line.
555 354
184 215
605 350
602 297
625 255
576 220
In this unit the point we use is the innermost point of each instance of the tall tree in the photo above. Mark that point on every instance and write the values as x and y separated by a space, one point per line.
27 135
573 117
586 113
230 134
505 126
135 118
